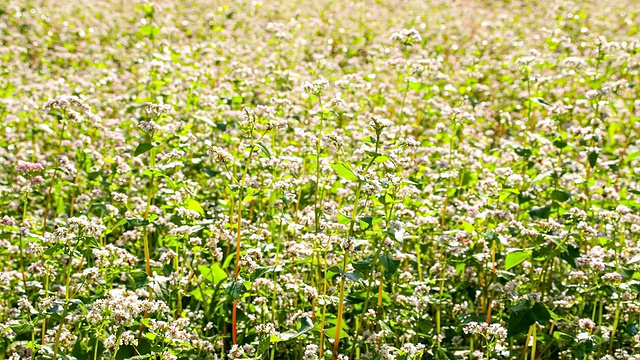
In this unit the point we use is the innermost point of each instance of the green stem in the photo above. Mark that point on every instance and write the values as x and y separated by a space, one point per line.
616 319
56 344
274 295
317 192
53 180
340 306
68 296
145 235
324 309
440 294
446 199
406 90
24 273
533 344
365 306
354 215
234 314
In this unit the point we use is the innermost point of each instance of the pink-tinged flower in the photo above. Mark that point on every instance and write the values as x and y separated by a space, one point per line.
24 167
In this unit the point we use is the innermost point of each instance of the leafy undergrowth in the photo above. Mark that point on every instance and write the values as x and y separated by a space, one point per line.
319 179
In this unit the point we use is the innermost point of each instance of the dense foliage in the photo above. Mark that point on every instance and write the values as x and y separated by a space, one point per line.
319 179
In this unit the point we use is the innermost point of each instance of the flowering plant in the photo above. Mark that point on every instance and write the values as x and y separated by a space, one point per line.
358 180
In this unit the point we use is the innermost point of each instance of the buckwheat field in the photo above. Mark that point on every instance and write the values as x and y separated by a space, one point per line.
275 179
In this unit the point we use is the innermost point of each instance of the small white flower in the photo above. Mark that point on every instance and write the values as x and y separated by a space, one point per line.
407 36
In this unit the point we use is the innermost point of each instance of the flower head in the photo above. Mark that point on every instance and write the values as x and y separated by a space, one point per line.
407 37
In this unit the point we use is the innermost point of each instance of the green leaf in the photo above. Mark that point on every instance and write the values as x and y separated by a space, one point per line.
382 158
363 266
343 219
416 85
139 277
593 158
99 206
524 152
22 328
54 250
466 226
218 273
158 173
194 206
144 147
306 325
389 264
161 287
96 346
631 157
541 212
506 193
273 338
541 313
354 276
264 344
262 271
133 107
332 271
344 171
150 31
516 257
560 143
91 242
117 225
570 255
365 222
213 274
560 195
331 333
250 194
384 326
540 101
523 315
264 149
235 289
138 222
563 337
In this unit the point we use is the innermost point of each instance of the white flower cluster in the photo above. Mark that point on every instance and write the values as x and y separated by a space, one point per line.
62 102
83 226
488 330
149 126
219 154
378 123
122 307
157 109
316 87
407 36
